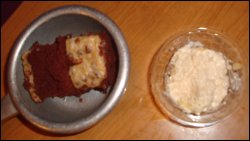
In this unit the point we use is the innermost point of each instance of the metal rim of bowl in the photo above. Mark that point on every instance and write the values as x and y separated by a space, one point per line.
114 96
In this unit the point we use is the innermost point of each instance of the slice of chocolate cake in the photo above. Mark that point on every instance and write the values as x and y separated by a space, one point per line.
70 66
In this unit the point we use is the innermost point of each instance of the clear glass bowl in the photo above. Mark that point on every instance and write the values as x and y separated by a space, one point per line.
211 40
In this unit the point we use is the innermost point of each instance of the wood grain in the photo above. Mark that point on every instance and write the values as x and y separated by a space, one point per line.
146 25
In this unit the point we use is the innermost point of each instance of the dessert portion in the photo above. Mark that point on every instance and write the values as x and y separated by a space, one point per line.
70 67
89 65
197 78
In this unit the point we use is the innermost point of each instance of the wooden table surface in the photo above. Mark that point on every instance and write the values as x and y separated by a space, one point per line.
146 25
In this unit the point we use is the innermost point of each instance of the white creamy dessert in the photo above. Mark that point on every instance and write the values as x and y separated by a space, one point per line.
196 79
89 69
